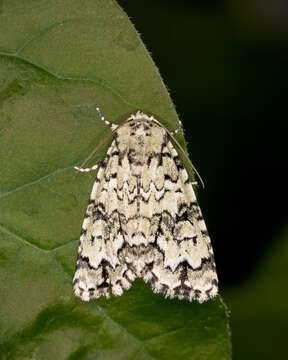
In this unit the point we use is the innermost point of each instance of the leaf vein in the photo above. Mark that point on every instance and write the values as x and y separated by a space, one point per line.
58 171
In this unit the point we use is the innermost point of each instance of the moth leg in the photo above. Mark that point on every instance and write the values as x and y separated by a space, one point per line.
179 127
107 122
94 167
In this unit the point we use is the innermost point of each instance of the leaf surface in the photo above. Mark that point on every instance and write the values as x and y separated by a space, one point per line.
58 60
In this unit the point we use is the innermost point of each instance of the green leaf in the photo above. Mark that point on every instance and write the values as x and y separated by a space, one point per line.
260 308
58 60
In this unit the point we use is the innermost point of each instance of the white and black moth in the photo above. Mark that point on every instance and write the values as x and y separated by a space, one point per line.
143 220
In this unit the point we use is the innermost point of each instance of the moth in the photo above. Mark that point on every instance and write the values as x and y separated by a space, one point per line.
143 220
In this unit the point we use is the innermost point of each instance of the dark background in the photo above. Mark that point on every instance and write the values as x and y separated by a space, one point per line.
225 64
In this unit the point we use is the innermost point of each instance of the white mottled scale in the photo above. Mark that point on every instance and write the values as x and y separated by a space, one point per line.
143 220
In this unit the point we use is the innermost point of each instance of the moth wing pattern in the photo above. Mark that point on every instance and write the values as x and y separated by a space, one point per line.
101 266
143 220
180 262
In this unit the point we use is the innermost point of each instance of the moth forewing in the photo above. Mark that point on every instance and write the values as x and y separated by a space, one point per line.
143 220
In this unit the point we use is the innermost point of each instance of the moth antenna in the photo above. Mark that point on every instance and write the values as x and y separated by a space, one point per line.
102 142
182 150
187 158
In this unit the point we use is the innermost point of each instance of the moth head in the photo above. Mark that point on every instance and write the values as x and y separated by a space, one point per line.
140 116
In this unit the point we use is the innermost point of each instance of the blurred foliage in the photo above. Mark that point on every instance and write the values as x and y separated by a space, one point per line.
231 93
58 59
260 307
264 20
